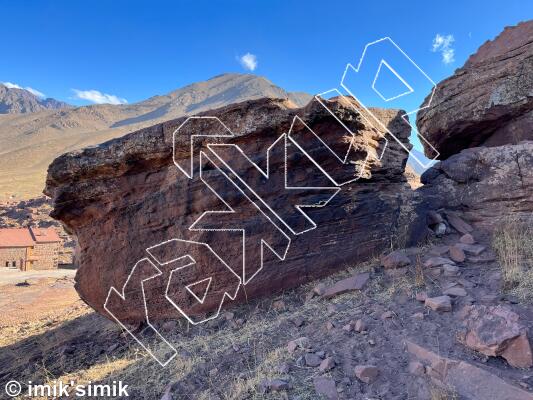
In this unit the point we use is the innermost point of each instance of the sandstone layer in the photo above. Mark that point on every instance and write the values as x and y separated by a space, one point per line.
126 195
487 102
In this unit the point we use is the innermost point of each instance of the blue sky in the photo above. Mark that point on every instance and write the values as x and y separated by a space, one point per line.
134 50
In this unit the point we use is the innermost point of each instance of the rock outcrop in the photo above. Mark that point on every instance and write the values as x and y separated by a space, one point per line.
487 102
486 184
126 195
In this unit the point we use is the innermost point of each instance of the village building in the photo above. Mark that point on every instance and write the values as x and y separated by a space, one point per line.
29 248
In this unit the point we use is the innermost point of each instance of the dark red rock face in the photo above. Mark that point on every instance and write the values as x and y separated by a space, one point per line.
487 102
488 184
126 195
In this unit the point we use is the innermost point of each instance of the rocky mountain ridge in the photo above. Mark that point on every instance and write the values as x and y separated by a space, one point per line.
30 141
22 101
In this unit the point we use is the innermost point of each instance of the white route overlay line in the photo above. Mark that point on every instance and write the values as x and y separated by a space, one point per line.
226 294
409 88
190 173
281 257
285 136
266 174
123 297
356 69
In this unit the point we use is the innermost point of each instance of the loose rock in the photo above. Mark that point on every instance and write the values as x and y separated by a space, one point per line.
366 373
350 284
396 259
440 303
467 238
327 364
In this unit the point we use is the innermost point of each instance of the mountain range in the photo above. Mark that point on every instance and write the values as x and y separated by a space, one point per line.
33 131
20 101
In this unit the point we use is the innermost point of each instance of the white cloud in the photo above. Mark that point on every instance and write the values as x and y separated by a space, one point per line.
33 91
443 44
98 97
248 61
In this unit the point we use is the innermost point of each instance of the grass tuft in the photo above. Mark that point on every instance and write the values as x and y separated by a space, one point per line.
513 242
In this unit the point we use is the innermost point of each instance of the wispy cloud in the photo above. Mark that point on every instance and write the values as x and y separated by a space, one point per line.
443 44
248 61
33 91
97 97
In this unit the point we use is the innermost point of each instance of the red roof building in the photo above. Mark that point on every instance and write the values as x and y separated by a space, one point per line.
29 248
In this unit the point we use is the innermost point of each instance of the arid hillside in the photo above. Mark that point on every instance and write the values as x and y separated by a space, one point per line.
32 138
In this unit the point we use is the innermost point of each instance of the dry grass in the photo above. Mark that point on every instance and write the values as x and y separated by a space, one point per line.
440 393
513 242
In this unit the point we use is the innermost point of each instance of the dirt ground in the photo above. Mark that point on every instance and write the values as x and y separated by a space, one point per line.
48 334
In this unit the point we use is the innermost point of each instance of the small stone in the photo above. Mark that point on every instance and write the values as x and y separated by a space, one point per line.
312 360
330 325
458 224
518 353
366 373
278 305
327 364
440 229
353 283
359 326
418 315
450 270
416 368
456 291
467 238
386 315
421 296
348 327
472 249
229 315
326 387
371 342
440 303
320 289
301 343
456 254
396 259
437 262
298 321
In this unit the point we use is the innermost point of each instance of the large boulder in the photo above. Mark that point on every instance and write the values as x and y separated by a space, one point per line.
123 197
487 184
487 102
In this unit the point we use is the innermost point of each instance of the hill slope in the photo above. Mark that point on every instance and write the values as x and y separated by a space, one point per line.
29 142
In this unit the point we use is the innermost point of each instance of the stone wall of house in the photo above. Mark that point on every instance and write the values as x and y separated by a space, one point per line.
47 255
10 254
